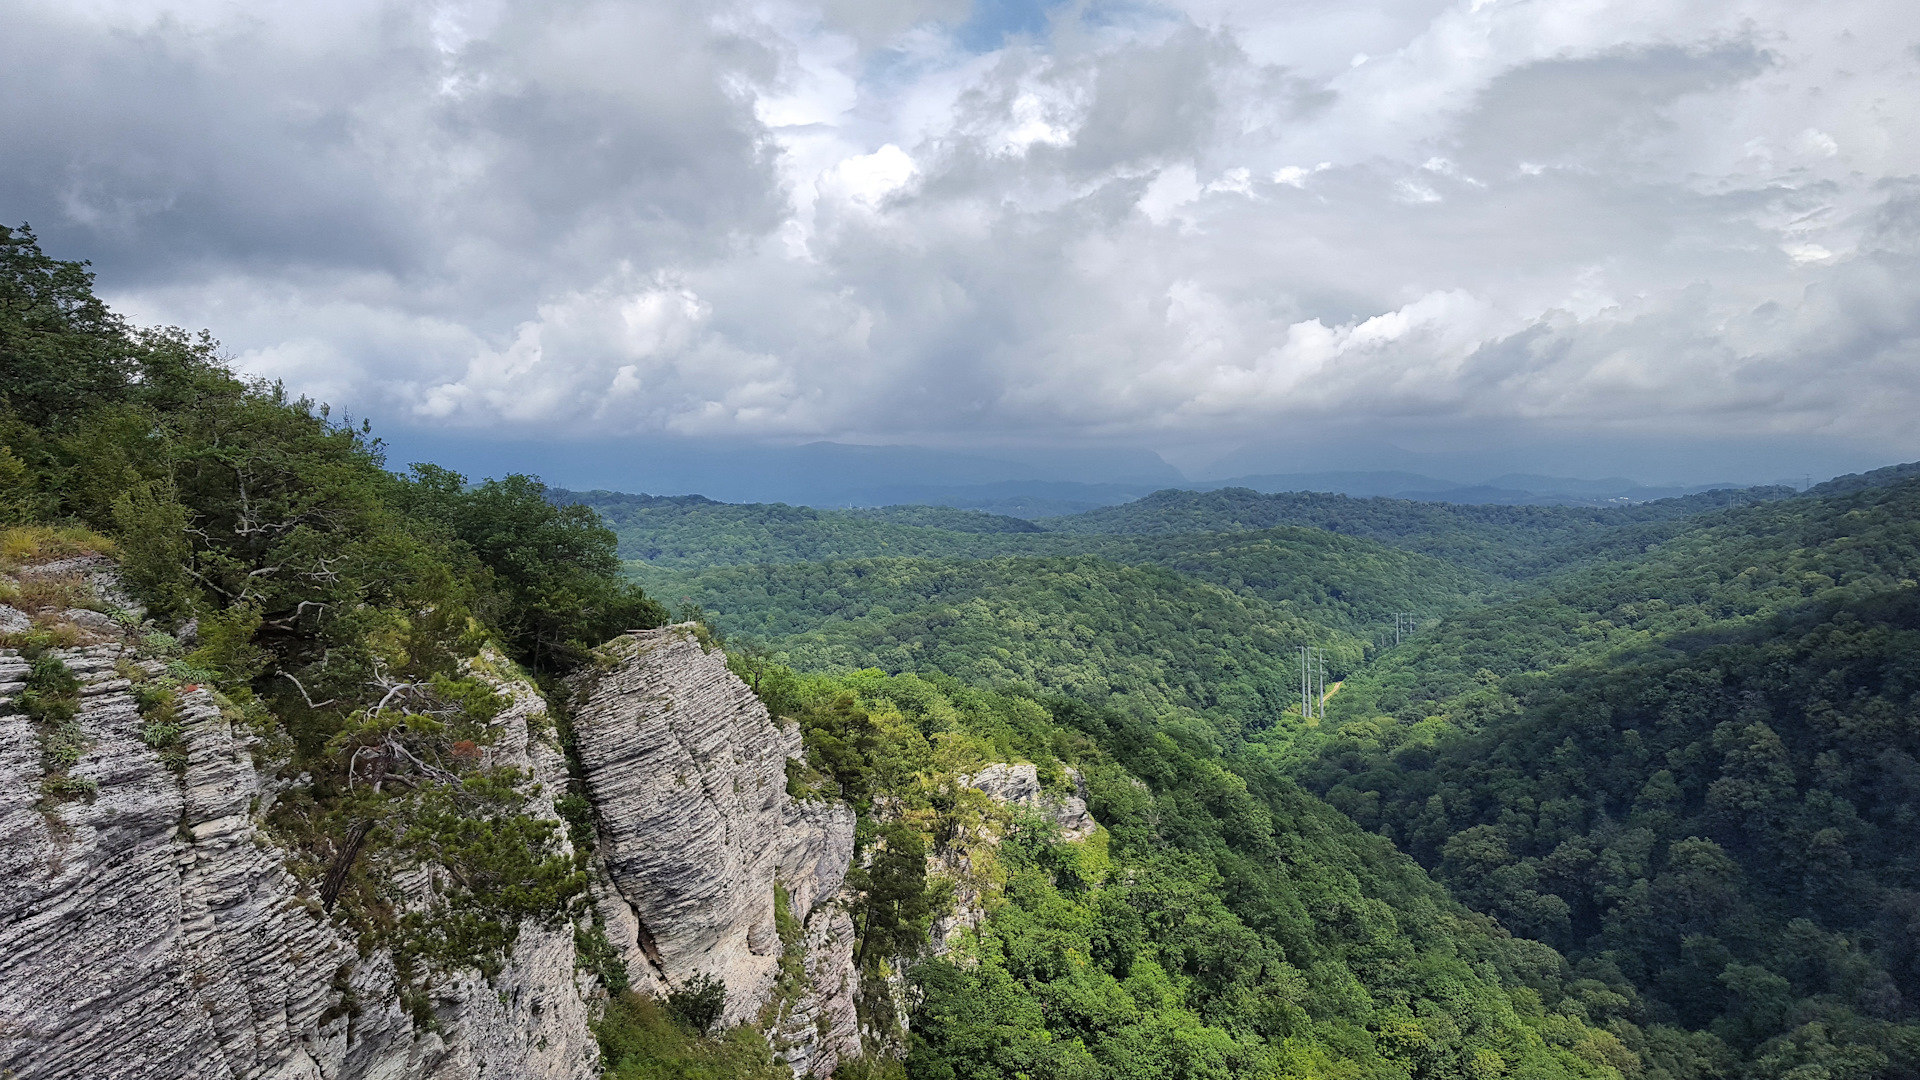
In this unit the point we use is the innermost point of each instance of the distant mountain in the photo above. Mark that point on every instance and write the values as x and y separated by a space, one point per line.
1360 485
1013 498
814 474
1512 489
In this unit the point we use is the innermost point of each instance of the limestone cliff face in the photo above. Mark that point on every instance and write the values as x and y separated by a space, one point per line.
130 925
152 931
687 774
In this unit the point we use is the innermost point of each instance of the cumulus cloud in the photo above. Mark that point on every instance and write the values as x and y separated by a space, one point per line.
1179 224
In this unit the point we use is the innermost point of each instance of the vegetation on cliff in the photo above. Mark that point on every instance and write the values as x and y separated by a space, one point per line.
1223 924
341 609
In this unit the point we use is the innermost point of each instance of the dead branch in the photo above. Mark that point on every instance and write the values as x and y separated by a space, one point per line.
337 873
304 696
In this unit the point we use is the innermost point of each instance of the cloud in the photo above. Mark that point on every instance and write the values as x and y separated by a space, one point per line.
1178 224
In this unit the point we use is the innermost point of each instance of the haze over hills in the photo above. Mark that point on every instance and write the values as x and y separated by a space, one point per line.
1045 485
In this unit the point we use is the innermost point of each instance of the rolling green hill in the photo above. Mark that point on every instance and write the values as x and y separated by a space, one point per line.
1729 569
1355 585
692 532
1694 771
1511 541
1137 636
1209 623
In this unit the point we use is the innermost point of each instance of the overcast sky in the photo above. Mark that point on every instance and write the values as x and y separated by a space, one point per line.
1185 227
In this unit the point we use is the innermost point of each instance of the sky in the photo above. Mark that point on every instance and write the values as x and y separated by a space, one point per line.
1669 239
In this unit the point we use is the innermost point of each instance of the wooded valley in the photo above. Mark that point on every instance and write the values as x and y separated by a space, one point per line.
1672 741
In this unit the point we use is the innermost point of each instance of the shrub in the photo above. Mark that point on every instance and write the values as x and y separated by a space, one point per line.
641 1040
698 1002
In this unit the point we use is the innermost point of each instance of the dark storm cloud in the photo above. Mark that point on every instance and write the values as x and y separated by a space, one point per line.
572 137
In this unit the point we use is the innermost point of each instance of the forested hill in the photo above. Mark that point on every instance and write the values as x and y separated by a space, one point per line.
1141 638
1724 572
1512 541
1695 772
1208 623
689 531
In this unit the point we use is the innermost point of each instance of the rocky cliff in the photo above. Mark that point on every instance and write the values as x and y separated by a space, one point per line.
687 774
150 928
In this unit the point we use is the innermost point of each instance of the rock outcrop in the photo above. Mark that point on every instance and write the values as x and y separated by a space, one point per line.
687 774
152 931
1019 785
1015 786
132 925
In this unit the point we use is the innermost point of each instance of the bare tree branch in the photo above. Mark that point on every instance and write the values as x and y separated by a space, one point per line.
303 692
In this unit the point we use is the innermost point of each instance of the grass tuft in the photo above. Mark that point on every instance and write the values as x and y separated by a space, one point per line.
29 545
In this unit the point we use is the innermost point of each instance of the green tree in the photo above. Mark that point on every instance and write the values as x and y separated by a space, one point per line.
553 569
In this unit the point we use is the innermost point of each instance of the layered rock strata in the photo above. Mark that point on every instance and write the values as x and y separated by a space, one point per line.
152 931
687 774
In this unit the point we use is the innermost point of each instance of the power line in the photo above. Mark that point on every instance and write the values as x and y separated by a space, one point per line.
1313 683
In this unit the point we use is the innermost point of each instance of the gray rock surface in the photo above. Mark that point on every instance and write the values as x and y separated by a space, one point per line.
1019 785
153 932
1014 785
822 1027
133 925
91 620
686 772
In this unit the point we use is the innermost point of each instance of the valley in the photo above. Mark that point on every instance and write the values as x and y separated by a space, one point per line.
1612 729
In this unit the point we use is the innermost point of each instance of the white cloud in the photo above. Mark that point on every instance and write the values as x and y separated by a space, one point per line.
856 220
1174 187
1296 175
870 178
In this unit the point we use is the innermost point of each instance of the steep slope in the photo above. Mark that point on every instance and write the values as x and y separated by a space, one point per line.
149 925
1693 772
1218 923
